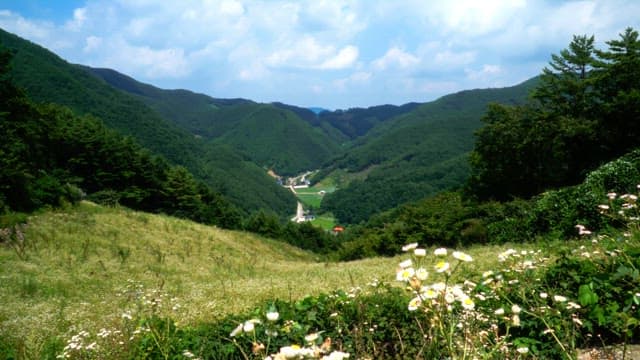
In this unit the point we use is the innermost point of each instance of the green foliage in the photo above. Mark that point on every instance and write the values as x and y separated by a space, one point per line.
372 322
54 157
607 288
48 79
272 136
303 235
584 113
414 155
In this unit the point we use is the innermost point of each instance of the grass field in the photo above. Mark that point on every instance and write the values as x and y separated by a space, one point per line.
75 263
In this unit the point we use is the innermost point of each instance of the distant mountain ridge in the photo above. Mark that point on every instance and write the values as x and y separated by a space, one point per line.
399 153
47 78
416 154
271 135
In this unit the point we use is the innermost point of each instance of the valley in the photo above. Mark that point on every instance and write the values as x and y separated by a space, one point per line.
140 222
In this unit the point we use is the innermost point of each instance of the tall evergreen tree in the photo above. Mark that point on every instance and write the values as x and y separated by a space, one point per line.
619 92
566 86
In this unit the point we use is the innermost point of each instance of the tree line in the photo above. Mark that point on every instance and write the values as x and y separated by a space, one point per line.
585 111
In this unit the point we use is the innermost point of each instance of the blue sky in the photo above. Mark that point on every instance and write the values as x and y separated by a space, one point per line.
328 53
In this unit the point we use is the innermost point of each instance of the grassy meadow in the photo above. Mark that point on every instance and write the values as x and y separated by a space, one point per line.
73 271
70 271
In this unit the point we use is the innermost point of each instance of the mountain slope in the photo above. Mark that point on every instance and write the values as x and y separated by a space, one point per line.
272 136
48 78
416 154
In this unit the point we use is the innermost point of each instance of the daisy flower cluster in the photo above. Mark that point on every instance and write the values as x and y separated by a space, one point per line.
314 345
127 328
415 273
451 308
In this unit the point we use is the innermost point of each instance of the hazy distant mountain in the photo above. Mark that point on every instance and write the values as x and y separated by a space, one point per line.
317 110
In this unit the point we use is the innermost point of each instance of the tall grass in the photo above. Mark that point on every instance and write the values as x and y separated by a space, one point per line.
77 261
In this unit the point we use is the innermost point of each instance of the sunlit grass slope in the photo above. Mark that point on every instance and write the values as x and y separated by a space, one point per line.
77 262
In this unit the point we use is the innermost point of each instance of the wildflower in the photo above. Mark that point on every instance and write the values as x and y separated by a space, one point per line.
522 350
462 256
559 298
409 247
127 316
468 303
515 309
576 320
248 326
499 311
572 305
336 355
544 295
515 319
273 315
405 264
612 195
442 266
603 207
405 274
582 230
237 330
429 293
311 338
414 304
449 298
422 274
420 252
187 354
486 274
439 286
440 252
629 197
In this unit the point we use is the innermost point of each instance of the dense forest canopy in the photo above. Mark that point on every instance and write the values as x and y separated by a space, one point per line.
584 112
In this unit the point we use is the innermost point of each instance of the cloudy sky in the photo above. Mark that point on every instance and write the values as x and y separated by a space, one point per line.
328 53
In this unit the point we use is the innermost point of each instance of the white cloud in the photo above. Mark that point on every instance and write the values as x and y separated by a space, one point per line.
473 18
486 73
449 58
231 8
79 19
368 50
92 43
344 59
395 57
33 30
143 60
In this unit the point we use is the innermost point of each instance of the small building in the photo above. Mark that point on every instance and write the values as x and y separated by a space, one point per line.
337 229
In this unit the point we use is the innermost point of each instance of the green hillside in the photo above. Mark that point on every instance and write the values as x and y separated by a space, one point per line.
76 264
416 154
47 78
272 137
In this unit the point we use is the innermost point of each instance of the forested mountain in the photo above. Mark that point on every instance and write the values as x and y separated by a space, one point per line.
50 156
547 167
47 78
272 136
352 123
416 154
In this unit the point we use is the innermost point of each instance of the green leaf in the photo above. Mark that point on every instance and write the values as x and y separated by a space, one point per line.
586 296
